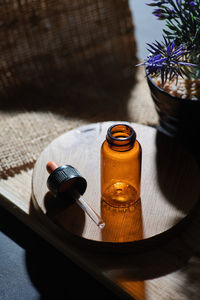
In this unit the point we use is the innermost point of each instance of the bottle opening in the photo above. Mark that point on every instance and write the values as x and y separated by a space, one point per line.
121 135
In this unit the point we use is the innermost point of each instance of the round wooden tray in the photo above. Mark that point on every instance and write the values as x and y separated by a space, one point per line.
170 187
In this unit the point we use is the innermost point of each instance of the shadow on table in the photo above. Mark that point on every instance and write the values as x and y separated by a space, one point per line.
64 212
178 173
185 168
53 275
167 254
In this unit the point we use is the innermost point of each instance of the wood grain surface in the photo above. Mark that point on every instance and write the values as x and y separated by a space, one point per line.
170 188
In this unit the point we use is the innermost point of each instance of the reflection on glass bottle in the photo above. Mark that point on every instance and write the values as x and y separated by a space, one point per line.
123 224
120 166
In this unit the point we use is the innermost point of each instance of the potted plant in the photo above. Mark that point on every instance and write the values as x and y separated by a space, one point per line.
173 67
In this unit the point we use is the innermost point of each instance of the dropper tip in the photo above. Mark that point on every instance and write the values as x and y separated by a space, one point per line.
101 225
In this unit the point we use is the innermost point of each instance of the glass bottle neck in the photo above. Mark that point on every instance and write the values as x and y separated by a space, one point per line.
121 137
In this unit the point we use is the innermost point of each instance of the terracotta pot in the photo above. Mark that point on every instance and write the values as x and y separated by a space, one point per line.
177 116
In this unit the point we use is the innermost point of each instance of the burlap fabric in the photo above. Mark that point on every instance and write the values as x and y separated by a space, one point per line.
63 64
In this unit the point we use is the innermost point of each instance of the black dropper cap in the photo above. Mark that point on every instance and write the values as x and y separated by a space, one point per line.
66 179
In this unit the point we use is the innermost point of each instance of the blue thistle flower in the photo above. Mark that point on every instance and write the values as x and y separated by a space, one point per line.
166 59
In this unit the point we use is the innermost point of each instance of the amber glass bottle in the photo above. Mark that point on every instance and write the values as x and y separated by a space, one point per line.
120 166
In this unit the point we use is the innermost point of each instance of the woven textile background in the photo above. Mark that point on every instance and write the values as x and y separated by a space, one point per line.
63 63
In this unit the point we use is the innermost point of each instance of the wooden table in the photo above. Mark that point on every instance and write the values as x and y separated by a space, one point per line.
162 270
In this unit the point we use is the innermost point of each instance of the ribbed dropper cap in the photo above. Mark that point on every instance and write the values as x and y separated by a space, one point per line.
65 179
